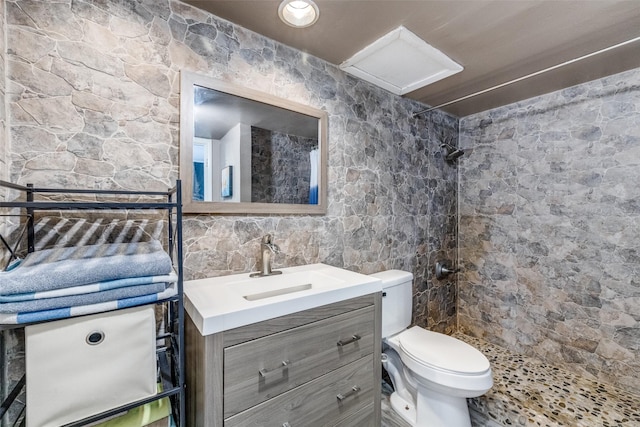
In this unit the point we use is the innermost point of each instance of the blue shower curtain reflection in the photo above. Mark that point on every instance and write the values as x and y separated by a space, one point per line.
198 172
313 179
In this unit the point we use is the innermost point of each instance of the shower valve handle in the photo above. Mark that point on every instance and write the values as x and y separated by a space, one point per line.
443 271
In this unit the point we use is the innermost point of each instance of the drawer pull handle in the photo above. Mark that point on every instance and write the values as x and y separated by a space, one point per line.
353 338
264 372
351 392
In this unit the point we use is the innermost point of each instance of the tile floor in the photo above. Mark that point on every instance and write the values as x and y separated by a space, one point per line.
527 392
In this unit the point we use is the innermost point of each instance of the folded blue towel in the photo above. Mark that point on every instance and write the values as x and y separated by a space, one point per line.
62 313
83 299
60 268
91 288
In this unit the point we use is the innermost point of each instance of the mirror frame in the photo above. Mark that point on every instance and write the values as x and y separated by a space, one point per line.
187 81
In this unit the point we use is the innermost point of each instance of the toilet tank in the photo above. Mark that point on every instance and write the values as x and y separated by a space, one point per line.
397 300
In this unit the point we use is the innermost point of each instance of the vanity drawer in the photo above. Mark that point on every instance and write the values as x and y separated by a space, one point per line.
266 367
365 417
325 401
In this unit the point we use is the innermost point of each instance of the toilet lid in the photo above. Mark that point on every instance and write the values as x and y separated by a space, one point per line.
442 351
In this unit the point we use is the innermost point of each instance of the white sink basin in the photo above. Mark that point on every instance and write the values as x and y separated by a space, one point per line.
290 281
220 303
278 291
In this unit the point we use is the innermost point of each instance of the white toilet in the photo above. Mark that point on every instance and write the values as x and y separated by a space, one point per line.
432 373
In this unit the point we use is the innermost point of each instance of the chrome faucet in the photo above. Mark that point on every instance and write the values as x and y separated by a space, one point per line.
267 248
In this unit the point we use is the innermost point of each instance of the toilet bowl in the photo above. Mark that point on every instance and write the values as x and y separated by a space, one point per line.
432 373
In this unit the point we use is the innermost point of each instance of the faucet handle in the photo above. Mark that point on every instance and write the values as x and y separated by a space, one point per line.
443 271
273 248
267 240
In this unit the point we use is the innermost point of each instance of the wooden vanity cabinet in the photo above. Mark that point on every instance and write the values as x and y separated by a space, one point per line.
318 367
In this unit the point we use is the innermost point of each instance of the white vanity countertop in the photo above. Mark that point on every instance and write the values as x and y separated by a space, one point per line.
220 303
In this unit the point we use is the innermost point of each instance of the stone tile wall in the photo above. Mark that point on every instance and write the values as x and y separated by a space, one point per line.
8 350
93 102
4 170
549 228
280 167
4 140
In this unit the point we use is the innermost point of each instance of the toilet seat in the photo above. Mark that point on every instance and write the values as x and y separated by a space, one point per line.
442 353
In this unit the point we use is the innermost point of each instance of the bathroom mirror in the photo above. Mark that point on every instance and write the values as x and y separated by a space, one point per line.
247 152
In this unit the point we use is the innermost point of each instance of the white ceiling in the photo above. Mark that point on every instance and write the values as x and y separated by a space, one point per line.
494 40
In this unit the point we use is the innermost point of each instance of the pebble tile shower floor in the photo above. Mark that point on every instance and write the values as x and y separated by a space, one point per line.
527 392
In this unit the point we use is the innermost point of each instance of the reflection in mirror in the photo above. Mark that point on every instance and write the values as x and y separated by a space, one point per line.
269 149
243 151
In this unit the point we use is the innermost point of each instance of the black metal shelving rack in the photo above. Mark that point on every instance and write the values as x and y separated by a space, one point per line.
171 355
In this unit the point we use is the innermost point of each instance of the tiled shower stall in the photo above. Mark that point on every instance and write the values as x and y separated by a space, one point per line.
549 228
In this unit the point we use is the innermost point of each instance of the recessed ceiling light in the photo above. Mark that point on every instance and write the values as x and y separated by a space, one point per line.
298 13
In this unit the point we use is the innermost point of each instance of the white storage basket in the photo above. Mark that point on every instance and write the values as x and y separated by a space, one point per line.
83 366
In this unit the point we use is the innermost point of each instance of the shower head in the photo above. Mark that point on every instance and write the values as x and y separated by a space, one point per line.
453 155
